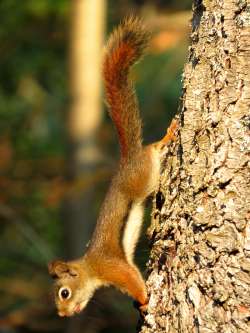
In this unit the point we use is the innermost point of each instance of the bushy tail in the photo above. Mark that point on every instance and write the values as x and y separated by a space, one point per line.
126 45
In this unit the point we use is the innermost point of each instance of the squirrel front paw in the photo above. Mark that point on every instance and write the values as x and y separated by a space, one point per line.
142 308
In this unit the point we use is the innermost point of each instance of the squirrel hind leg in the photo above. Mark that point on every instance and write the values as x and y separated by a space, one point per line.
171 134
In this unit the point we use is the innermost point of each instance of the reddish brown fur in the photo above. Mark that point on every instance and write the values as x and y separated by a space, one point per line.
125 46
105 261
127 278
118 60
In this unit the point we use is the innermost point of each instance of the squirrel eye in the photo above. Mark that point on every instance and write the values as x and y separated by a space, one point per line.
64 293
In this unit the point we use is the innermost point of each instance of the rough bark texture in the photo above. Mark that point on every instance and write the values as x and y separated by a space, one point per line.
199 268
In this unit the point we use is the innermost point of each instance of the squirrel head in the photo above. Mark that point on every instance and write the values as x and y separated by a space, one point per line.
74 285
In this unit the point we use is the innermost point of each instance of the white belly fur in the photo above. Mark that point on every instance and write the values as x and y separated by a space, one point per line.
132 230
135 218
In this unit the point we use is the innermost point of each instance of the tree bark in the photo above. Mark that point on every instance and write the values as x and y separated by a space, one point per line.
199 267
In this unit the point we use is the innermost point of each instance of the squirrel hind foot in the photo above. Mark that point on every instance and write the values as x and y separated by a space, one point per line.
171 134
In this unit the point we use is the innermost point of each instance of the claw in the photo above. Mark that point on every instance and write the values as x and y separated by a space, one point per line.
142 308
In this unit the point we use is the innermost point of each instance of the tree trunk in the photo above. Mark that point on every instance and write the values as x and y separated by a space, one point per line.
199 267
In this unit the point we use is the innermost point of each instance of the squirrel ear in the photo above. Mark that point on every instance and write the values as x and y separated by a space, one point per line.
58 268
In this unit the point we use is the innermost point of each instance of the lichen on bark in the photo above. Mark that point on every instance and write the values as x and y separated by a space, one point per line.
199 267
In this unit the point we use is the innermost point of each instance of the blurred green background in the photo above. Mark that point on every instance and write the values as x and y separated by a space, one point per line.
43 191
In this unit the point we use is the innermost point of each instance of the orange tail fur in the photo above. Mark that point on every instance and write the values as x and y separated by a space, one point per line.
125 46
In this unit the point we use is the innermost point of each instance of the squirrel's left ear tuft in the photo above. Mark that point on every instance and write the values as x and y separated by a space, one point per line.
58 269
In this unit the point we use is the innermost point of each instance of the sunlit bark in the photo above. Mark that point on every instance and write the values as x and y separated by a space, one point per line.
199 268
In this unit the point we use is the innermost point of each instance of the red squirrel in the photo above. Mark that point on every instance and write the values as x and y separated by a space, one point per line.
109 259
